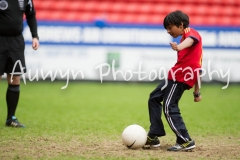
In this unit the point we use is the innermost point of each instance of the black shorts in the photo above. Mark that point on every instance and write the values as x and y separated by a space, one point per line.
12 58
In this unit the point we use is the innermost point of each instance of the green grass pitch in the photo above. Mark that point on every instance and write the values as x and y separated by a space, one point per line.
66 124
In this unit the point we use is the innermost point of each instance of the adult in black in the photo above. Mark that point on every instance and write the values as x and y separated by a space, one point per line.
12 46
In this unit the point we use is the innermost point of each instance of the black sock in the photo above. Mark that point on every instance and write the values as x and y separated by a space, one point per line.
12 97
152 136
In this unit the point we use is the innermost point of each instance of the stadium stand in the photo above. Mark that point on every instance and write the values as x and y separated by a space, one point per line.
201 12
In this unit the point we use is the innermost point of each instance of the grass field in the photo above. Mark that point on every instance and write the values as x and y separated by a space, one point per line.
85 121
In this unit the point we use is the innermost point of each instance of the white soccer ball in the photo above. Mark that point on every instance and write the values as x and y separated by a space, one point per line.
134 136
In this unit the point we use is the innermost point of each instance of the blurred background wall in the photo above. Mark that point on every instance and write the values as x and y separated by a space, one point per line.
124 40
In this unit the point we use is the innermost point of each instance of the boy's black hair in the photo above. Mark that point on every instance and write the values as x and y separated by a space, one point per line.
176 18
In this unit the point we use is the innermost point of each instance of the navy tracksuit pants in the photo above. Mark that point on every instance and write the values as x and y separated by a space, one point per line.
166 99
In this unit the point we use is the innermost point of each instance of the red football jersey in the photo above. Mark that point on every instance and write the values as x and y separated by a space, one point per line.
189 60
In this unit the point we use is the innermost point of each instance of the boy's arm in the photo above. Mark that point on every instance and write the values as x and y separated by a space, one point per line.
196 93
184 44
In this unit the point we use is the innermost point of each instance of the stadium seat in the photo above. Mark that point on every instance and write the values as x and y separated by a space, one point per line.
71 16
89 6
213 10
190 9
199 10
114 17
209 20
230 11
130 7
129 18
74 6
117 7
158 8
142 18
60 5
104 6
44 5
235 21
165 8
145 8
155 19
196 20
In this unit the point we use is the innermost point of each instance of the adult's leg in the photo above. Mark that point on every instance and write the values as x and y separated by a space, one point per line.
12 95
12 53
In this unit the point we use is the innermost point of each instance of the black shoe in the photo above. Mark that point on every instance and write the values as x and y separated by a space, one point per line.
14 123
184 147
152 143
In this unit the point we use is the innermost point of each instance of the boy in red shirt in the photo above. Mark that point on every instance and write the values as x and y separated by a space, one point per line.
182 76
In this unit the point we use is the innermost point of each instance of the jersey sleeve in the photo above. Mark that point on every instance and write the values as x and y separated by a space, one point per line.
194 35
30 13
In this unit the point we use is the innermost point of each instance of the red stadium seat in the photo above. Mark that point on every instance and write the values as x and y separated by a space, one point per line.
141 18
42 15
89 6
129 18
145 8
173 7
189 9
160 8
46 5
228 2
103 6
235 21
70 16
37 5
114 17
75 6
166 8
155 19
213 10
117 7
236 11
225 21
230 10
60 5
200 9
197 20
130 7
209 20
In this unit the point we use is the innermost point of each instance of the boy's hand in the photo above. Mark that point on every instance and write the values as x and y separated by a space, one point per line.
174 46
197 99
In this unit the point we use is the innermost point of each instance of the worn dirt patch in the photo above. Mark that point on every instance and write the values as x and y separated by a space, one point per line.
213 147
